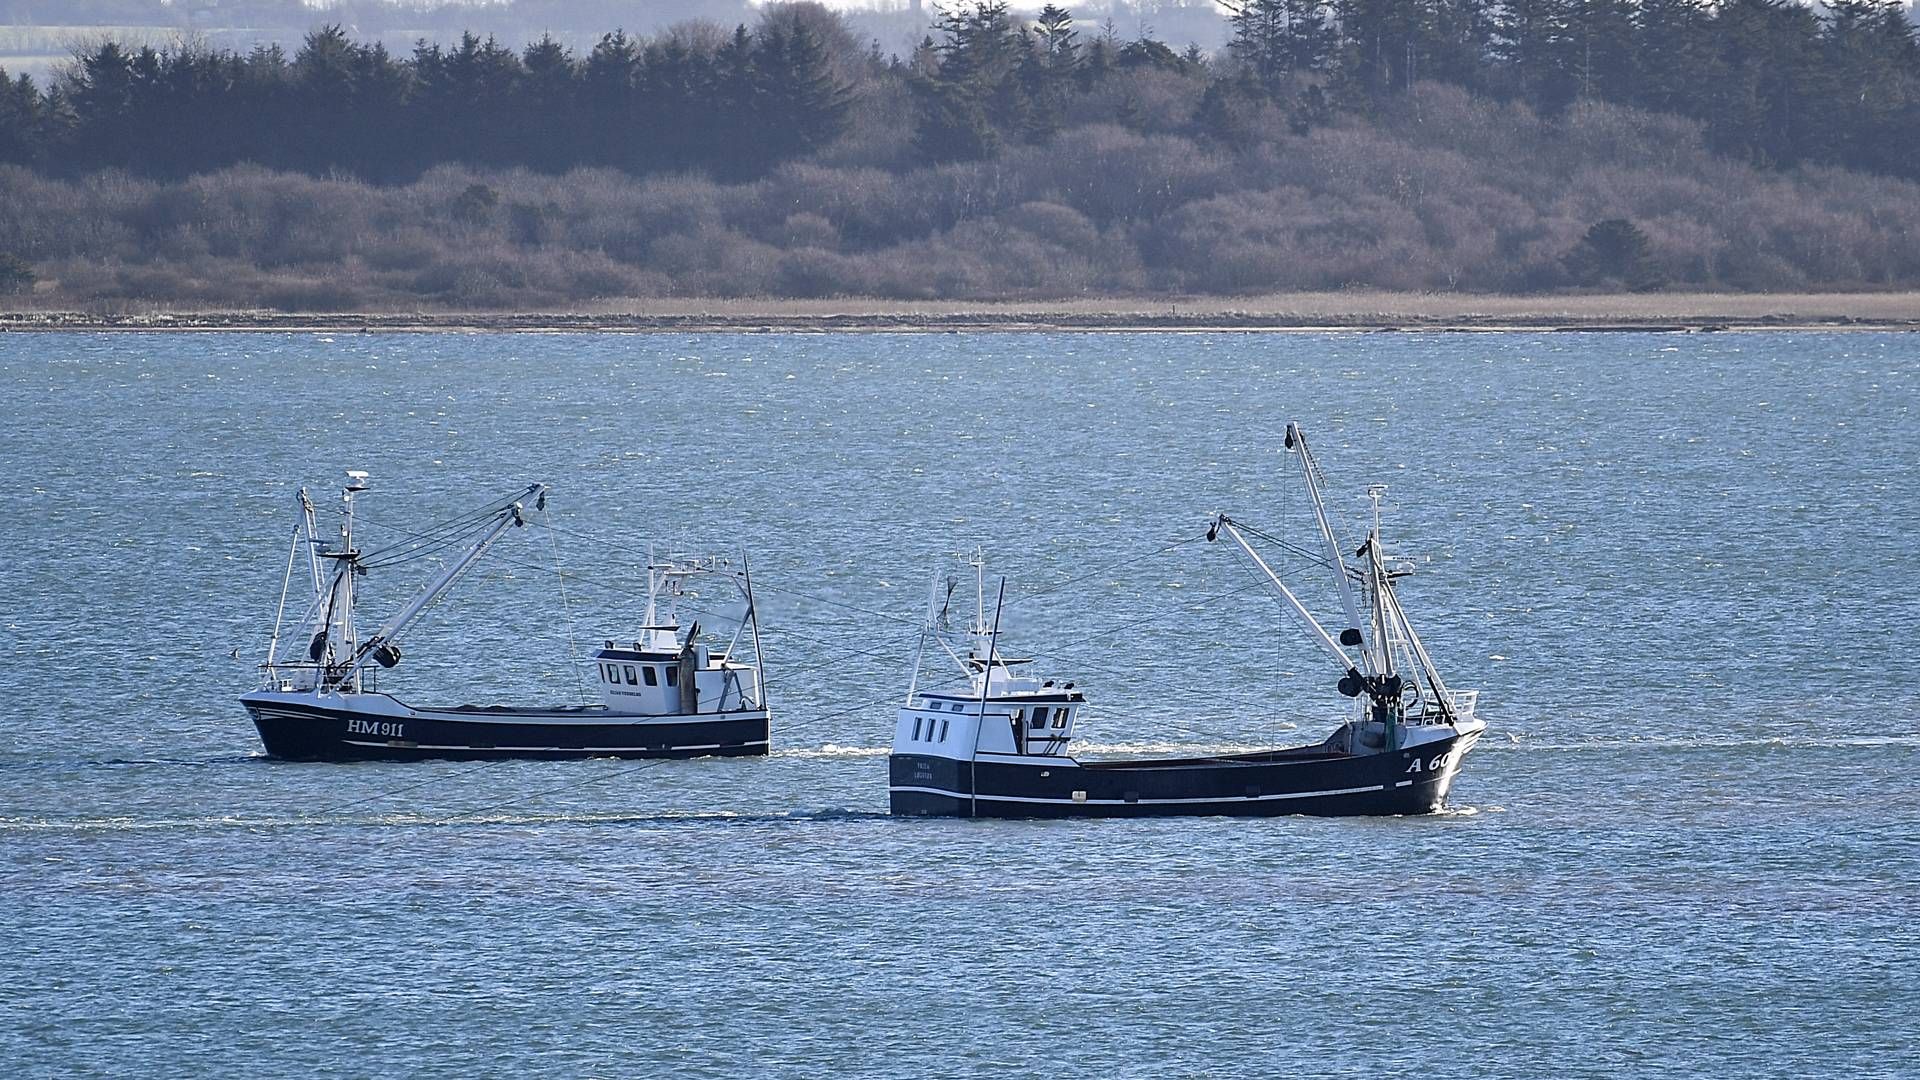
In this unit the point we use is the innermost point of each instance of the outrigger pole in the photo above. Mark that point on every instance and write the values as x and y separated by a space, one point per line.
1297 440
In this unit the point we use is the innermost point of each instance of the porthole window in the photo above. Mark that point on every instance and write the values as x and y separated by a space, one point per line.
653 679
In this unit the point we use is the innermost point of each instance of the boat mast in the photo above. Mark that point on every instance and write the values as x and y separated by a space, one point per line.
920 650
993 644
338 611
1443 698
753 616
1388 710
654 577
979 562
303 532
1350 635
1377 582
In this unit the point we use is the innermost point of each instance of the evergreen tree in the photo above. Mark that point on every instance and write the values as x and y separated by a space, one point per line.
1870 84
1050 59
802 104
1535 52
1768 55
975 95
547 107
1259 39
100 92
25 121
677 87
610 87
1677 58
1059 41
1387 45
326 73
737 89
1602 42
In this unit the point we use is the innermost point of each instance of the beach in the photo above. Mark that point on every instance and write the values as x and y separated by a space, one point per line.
1357 310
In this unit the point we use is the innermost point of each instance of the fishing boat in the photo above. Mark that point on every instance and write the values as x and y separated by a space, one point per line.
997 744
664 693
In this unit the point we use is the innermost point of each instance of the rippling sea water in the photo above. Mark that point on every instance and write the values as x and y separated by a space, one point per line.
1677 566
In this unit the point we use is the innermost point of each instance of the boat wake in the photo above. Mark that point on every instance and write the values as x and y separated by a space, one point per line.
456 820
131 763
1519 741
831 750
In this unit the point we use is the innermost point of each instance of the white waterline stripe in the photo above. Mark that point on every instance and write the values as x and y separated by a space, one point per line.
621 720
403 745
1240 800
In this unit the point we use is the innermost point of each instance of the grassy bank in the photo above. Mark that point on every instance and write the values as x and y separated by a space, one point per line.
1350 310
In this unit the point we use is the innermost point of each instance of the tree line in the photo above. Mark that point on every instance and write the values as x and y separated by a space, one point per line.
1774 82
725 104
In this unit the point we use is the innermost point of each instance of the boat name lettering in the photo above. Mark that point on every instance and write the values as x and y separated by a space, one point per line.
380 728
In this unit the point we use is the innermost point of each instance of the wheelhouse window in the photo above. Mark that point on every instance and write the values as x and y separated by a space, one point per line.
1039 719
1059 718
672 674
652 679
632 679
943 729
916 729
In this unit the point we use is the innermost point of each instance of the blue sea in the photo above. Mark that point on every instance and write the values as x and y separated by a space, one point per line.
1679 568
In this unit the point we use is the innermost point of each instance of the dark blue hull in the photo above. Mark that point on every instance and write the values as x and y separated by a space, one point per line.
310 732
1306 781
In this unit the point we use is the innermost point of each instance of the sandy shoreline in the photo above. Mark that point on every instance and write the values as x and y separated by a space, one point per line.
1289 312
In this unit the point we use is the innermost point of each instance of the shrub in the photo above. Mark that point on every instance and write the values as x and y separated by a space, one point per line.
475 205
1613 251
16 276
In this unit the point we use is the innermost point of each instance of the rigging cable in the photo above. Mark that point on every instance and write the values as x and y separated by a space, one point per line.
888 616
1099 571
573 648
